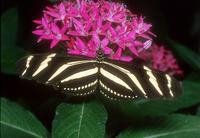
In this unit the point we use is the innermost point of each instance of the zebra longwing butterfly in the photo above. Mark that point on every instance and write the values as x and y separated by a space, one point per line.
81 76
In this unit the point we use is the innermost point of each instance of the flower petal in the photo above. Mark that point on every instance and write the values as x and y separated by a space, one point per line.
55 28
80 44
38 32
133 50
96 39
107 50
54 43
126 58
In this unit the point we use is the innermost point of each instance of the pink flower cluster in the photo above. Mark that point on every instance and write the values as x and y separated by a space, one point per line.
162 60
86 25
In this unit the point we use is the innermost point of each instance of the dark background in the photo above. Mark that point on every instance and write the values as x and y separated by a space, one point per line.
179 20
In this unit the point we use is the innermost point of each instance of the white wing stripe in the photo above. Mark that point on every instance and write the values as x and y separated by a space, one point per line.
43 64
27 64
130 75
169 84
153 80
81 74
114 78
67 65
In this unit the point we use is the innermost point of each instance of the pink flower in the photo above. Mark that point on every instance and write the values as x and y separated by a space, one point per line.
87 25
43 30
118 56
140 26
51 32
80 48
161 59
57 34
59 13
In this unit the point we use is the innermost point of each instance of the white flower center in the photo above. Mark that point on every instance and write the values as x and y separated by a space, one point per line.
47 32
62 17
58 36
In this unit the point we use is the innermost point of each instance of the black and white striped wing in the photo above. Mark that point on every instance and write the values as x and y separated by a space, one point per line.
119 80
72 75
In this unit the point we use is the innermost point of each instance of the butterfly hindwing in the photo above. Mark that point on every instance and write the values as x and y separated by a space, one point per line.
70 74
80 79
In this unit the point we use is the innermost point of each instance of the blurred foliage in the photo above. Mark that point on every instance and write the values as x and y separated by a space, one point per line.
9 27
142 118
10 53
198 111
18 122
171 126
190 57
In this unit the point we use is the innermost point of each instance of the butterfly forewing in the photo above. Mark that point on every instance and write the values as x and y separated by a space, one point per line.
161 84
125 81
71 74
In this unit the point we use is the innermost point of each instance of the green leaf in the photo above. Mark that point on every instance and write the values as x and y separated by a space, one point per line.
9 57
190 57
193 76
9 27
10 53
198 110
16 122
86 120
140 108
172 126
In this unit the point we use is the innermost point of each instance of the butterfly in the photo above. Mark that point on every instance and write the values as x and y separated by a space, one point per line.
81 76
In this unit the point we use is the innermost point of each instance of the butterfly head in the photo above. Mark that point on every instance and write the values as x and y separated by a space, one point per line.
100 55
